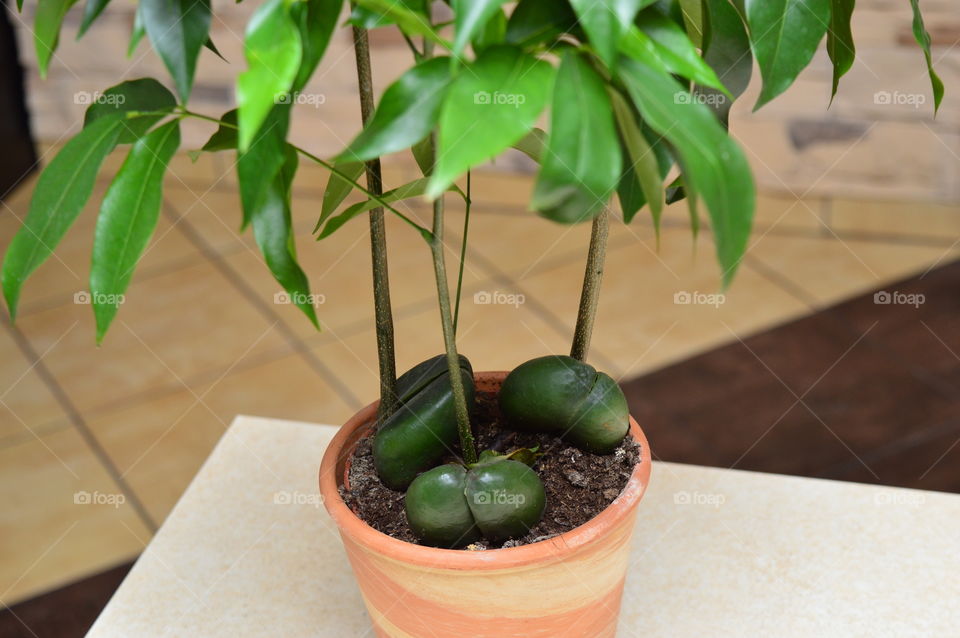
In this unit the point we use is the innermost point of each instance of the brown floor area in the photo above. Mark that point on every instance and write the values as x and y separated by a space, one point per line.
863 391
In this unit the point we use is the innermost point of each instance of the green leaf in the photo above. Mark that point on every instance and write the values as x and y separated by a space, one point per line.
470 16
488 107
46 29
91 11
580 166
410 21
259 164
692 11
225 137
316 20
840 45
641 157
408 111
137 33
535 22
144 94
605 21
338 188
784 35
62 190
493 33
415 188
273 230
272 49
660 42
128 217
532 144
728 54
210 46
923 39
367 19
177 30
711 161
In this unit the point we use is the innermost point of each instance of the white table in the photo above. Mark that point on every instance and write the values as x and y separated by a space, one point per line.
250 551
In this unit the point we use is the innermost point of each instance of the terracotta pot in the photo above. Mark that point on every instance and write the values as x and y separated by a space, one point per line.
569 585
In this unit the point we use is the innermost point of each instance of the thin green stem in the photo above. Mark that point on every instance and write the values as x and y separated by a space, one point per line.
449 338
463 256
378 242
590 294
324 163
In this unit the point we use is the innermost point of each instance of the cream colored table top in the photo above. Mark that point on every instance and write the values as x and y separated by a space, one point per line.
250 551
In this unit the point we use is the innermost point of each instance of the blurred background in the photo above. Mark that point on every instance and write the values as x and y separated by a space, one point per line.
834 353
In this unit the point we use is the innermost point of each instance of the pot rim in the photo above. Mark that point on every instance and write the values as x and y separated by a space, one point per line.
352 526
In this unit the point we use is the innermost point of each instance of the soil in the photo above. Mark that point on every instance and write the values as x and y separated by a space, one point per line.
579 485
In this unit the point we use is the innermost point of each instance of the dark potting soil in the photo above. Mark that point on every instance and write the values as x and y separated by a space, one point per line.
579 485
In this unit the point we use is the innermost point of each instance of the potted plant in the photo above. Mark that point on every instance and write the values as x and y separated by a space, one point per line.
456 468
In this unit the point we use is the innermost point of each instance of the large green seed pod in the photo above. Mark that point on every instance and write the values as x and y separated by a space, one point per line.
569 398
424 428
437 509
450 506
506 498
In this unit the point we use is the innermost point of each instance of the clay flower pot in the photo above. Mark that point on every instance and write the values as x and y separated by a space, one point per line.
569 585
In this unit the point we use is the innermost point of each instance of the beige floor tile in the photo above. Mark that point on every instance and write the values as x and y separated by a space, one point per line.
181 169
67 271
49 536
492 188
495 336
829 270
906 219
775 211
26 403
339 270
643 322
178 325
519 244
159 444
214 215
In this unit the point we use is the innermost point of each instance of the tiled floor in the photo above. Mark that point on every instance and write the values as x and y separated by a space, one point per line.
200 338
862 391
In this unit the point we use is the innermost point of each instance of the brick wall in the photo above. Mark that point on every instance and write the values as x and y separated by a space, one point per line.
859 145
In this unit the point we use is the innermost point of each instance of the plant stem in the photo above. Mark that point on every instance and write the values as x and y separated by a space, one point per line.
378 242
467 445
319 160
463 256
590 295
449 338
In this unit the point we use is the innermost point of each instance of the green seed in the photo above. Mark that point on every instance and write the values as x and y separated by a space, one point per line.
423 429
437 508
506 498
568 398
